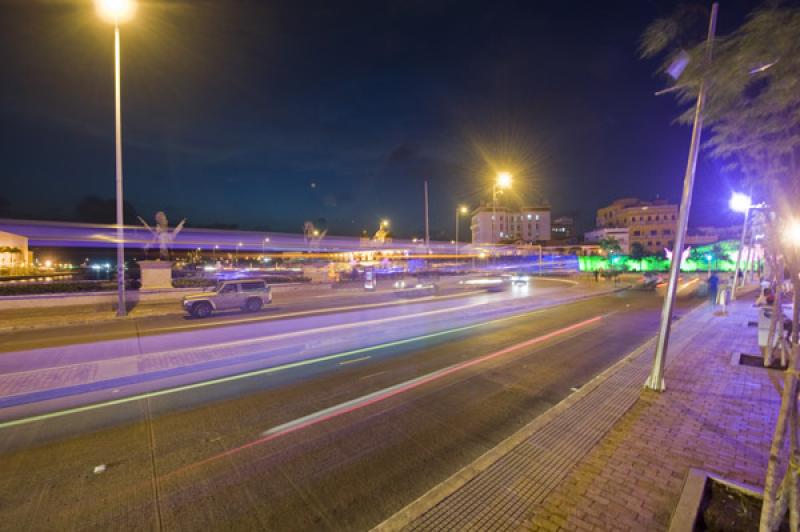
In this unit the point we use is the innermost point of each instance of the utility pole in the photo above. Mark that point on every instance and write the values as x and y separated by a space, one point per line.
427 226
121 304
739 254
656 379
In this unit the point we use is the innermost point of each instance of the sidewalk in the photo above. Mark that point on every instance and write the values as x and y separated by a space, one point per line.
614 456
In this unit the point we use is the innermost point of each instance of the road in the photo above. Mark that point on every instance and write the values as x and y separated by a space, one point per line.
338 443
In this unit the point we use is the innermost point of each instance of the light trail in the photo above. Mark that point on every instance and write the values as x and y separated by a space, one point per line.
331 310
382 395
251 341
254 373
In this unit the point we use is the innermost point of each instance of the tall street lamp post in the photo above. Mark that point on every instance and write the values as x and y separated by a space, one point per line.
740 203
461 210
655 380
118 11
503 181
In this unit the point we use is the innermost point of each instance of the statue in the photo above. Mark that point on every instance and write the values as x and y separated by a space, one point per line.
161 234
684 255
312 235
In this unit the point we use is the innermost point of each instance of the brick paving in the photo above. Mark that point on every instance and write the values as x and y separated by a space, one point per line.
614 456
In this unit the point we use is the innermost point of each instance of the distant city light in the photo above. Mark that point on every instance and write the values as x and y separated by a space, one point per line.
739 202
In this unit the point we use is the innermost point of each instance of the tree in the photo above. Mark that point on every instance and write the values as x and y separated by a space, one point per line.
638 253
752 111
610 245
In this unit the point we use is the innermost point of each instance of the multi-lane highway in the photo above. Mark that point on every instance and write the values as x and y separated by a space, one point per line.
337 424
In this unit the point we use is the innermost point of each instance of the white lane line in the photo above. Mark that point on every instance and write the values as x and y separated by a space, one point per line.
254 373
256 340
365 377
391 391
344 362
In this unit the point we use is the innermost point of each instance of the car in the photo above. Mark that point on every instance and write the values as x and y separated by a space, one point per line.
520 279
247 294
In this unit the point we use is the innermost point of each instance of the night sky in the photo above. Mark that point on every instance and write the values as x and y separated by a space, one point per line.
265 114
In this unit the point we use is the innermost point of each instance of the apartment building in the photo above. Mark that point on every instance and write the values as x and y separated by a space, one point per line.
527 224
650 223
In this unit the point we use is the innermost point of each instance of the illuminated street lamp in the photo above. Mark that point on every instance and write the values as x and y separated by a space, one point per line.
385 223
740 203
503 181
237 253
791 235
116 12
461 210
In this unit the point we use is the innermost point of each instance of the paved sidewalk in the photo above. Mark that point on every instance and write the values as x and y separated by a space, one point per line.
614 456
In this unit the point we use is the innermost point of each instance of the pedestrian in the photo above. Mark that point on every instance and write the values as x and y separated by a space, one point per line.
713 285
596 275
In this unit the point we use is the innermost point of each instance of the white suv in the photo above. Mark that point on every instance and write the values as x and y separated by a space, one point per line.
248 295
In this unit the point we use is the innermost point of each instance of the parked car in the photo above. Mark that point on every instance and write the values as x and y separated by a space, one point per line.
246 294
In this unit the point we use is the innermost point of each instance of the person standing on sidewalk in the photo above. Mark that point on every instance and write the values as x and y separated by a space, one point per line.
713 285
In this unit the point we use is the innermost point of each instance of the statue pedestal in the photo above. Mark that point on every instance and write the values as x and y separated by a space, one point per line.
156 274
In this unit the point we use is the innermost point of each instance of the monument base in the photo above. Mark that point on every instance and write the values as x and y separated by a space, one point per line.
156 274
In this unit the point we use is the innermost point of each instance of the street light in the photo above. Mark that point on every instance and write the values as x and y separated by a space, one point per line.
385 223
739 203
237 253
503 181
461 210
117 11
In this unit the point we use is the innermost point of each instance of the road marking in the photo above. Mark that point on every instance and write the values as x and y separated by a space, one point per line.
365 377
254 373
354 360
381 395
258 339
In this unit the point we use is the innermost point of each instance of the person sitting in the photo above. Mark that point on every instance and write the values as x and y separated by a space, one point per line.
766 297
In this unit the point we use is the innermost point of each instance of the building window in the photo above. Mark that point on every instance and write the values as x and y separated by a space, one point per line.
667 231
649 218
530 216
653 232
649 243
658 243
537 217
637 233
673 216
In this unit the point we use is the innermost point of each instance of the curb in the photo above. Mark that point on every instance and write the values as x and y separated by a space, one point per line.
444 489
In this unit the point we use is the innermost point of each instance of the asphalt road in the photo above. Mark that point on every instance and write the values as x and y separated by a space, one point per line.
171 318
340 444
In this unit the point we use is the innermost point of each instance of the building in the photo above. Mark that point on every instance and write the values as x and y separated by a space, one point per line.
700 236
14 253
620 234
651 223
562 228
527 224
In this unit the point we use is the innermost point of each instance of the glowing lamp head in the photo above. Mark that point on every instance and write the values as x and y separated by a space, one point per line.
792 233
709 257
115 11
739 202
504 180
385 223
463 209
